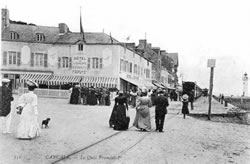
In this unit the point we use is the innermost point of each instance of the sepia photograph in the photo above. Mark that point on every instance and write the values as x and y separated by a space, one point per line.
125 82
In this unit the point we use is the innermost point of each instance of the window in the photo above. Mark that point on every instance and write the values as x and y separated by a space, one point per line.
40 37
135 69
130 70
14 36
89 59
80 47
11 58
95 63
65 62
40 60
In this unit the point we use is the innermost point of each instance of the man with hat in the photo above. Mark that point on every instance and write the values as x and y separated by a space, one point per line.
161 104
5 105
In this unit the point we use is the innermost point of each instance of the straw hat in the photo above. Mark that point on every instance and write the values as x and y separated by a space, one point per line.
5 80
31 83
185 97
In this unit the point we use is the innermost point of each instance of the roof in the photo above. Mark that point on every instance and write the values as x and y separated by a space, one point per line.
27 33
174 56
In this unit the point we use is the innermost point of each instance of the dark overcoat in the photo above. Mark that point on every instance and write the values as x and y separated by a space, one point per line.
5 100
161 104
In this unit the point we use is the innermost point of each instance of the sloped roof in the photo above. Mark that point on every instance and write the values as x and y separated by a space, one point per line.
27 33
174 56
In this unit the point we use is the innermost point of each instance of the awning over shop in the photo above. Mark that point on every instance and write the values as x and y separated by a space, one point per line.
60 79
148 85
133 82
167 86
37 77
158 85
109 82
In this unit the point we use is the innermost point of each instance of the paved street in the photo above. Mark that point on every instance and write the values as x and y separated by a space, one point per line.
75 130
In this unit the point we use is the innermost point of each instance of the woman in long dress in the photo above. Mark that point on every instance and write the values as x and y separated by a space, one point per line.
118 119
142 118
28 127
184 109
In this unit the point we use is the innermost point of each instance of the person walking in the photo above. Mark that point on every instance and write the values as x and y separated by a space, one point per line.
28 127
161 104
118 119
5 105
185 105
142 118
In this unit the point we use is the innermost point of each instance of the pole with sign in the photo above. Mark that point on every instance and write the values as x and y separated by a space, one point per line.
211 64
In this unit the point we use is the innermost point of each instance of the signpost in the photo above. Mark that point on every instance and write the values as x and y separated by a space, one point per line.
211 64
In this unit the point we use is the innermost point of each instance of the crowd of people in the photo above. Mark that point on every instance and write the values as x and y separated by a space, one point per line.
89 95
142 100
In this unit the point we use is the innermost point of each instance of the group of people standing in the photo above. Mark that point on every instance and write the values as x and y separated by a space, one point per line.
89 95
119 119
28 126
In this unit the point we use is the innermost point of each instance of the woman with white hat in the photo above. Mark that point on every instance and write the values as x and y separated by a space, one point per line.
142 118
28 127
185 105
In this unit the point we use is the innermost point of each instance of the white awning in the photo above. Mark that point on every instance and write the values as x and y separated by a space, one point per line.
40 78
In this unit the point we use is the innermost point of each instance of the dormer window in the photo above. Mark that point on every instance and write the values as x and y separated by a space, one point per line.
40 37
80 47
14 36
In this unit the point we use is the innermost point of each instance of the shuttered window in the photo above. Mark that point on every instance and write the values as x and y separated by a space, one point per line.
18 58
59 62
4 58
32 60
101 63
45 60
70 62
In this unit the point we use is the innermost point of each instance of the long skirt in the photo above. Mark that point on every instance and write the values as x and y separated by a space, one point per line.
142 119
28 127
118 119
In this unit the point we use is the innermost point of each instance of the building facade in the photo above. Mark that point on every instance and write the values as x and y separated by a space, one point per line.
55 56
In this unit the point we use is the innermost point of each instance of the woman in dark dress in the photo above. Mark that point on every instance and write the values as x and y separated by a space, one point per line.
118 119
185 105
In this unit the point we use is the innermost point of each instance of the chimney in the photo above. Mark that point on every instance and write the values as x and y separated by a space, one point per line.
130 45
143 43
5 18
63 28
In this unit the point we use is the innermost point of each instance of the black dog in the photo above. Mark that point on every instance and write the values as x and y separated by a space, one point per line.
45 123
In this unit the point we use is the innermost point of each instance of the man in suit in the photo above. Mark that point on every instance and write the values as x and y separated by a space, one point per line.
161 104
5 105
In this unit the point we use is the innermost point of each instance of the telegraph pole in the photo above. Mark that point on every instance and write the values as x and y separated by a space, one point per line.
211 64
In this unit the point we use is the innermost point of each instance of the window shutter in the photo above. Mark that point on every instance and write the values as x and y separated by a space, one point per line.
32 60
70 62
59 62
4 58
88 63
18 58
100 63
45 60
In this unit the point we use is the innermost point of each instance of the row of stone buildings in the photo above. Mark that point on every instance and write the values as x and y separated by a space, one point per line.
55 56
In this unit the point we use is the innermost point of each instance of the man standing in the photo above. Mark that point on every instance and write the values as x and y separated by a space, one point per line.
161 103
5 105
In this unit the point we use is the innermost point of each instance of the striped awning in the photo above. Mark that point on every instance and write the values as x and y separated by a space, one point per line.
109 82
63 79
40 78
158 85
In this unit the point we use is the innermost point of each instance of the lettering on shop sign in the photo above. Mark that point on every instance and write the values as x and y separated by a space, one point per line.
79 65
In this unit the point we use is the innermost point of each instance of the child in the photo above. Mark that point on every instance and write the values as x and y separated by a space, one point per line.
185 105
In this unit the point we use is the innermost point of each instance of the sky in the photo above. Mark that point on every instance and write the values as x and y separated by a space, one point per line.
197 30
